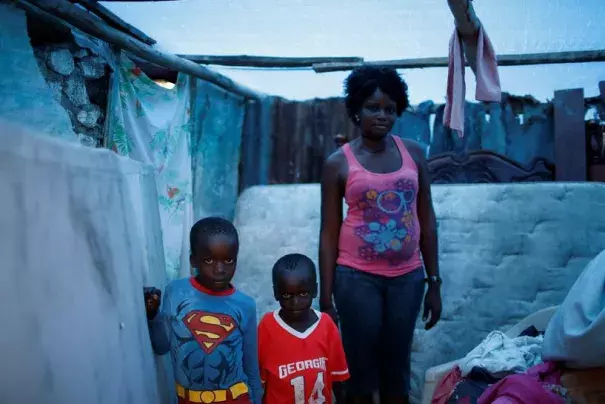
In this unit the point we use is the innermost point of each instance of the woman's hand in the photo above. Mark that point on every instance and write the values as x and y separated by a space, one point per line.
432 306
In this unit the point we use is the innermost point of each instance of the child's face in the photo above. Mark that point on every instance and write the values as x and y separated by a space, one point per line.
215 259
295 292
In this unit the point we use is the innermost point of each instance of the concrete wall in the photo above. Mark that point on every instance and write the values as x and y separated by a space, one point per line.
505 252
50 83
24 95
80 237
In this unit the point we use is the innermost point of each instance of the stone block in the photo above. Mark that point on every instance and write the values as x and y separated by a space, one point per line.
92 67
87 140
75 89
81 53
89 115
61 61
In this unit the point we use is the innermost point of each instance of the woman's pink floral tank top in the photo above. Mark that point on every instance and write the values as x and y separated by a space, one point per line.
381 232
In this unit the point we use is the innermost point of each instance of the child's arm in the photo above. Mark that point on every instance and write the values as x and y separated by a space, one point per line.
251 367
159 327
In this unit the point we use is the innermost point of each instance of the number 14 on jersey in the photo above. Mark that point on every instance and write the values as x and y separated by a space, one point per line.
317 395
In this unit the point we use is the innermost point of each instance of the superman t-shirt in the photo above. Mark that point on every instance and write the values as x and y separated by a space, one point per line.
211 337
299 368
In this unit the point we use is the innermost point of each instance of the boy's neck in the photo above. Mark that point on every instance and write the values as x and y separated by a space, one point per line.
204 289
301 323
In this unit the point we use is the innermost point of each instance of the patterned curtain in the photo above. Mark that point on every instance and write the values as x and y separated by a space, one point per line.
153 124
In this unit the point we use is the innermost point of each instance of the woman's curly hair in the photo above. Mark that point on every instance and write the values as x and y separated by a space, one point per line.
363 82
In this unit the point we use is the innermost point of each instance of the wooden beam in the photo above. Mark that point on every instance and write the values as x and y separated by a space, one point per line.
154 72
468 24
33 11
83 21
465 18
503 60
113 20
570 136
267 61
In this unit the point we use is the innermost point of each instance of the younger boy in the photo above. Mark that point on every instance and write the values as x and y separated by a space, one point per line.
207 325
300 352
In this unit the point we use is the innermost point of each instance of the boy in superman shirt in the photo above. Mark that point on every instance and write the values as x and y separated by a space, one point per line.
207 325
301 356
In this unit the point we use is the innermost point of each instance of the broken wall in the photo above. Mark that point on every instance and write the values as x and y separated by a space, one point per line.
24 94
50 83
301 134
79 81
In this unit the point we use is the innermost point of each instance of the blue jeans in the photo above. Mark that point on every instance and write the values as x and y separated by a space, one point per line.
377 319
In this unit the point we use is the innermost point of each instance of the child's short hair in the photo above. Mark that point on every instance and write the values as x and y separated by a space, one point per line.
211 226
294 262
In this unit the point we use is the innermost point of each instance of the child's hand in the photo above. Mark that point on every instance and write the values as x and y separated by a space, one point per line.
153 297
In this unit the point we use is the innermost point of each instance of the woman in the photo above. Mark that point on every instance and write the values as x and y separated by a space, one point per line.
373 260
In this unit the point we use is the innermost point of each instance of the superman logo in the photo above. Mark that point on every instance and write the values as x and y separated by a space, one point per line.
209 329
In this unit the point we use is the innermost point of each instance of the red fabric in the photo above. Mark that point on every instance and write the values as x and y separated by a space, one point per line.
486 77
547 372
527 388
446 386
305 363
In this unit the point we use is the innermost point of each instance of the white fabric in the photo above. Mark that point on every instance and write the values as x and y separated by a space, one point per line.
79 239
152 124
499 353
576 333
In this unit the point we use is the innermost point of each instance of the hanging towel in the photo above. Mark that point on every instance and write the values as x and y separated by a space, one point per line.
487 78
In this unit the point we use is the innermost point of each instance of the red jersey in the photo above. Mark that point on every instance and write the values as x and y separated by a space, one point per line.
299 367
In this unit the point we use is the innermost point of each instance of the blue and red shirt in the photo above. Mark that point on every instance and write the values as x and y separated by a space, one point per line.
211 337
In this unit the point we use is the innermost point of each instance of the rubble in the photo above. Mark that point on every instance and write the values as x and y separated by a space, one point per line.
79 81
89 115
92 67
81 53
61 61
87 140
75 89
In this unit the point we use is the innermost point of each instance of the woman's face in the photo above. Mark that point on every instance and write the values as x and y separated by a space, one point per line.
377 115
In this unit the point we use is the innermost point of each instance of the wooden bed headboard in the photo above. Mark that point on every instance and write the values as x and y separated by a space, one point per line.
484 166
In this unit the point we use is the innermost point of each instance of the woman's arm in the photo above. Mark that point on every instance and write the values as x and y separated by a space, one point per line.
429 246
331 220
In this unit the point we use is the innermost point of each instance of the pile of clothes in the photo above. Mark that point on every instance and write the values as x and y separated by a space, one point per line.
564 364
503 370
